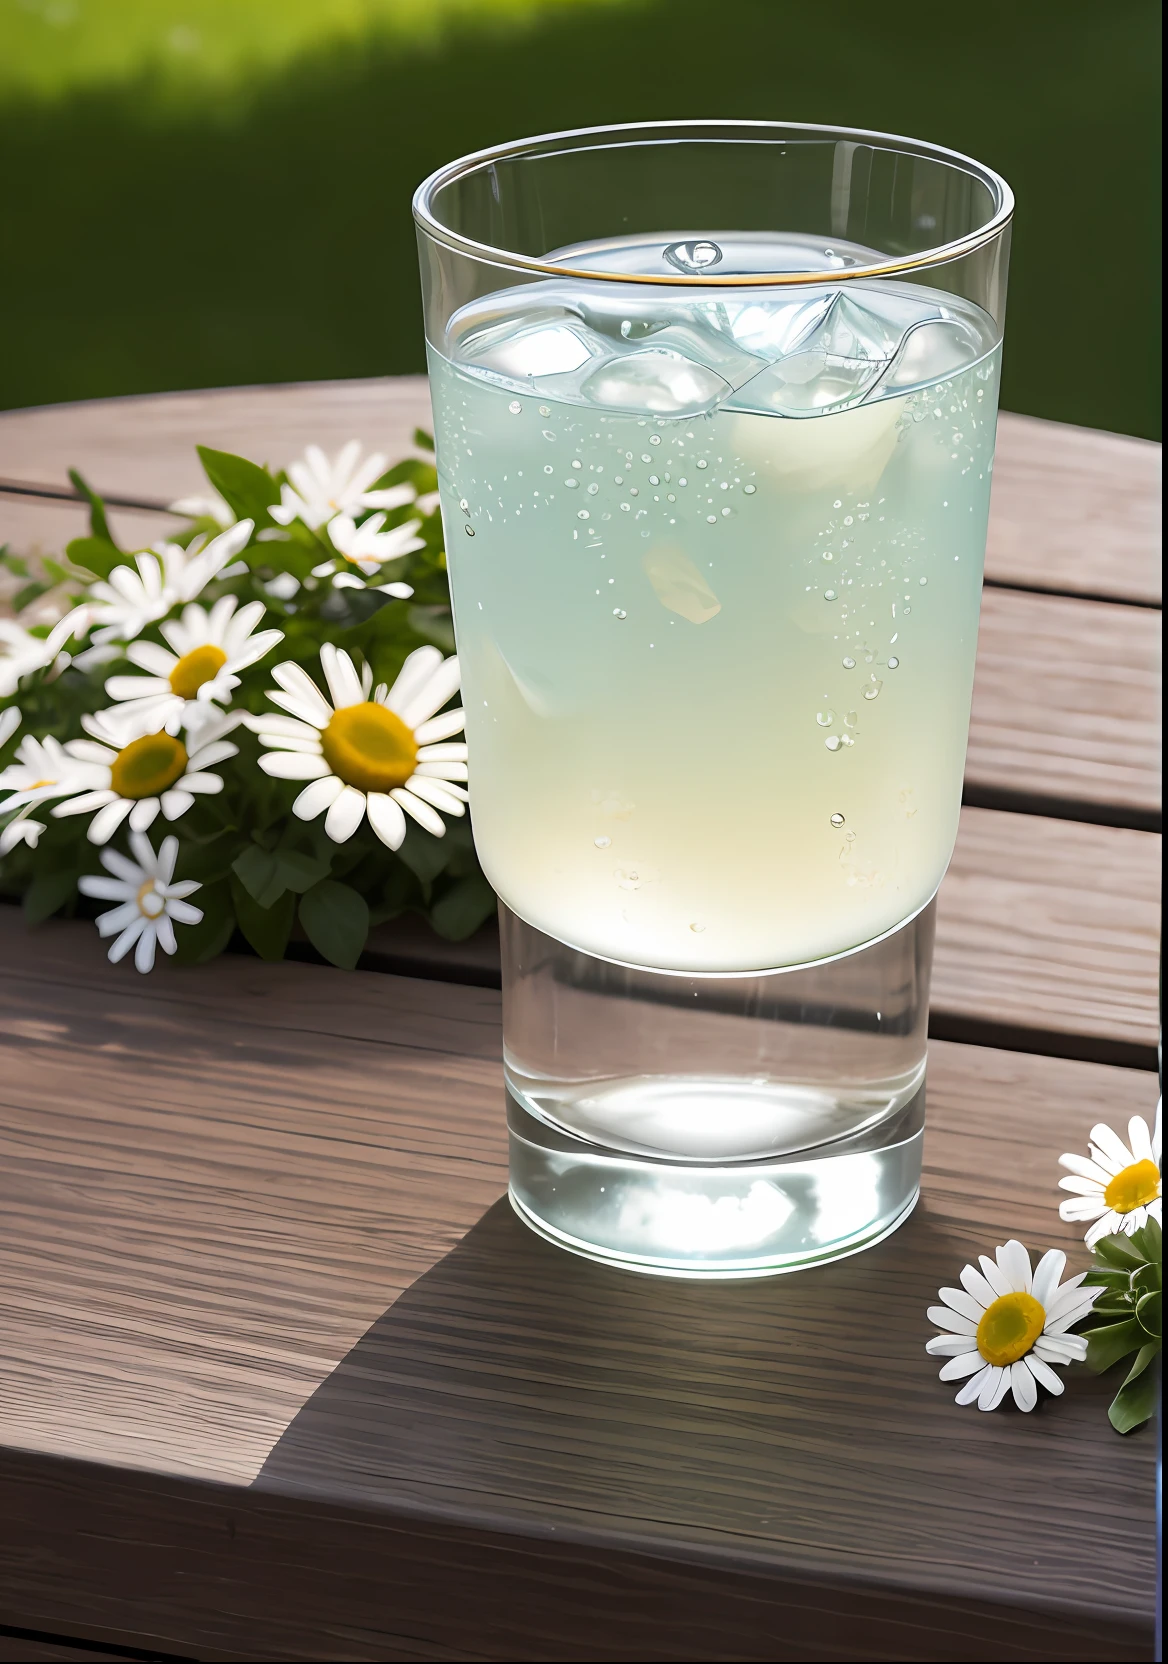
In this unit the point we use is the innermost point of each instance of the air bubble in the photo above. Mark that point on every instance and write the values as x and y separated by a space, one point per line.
849 664
654 439
653 480
922 581
576 463
837 820
827 555
833 742
469 530
892 663
593 489
619 612
602 842
464 505
726 512
697 928
851 719
702 463
825 718
548 469
545 410
829 595
583 514
548 434
571 484
749 490
872 691
847 739
515 407
711 519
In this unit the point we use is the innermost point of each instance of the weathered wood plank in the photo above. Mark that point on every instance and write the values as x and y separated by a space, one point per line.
1074 511
253 1236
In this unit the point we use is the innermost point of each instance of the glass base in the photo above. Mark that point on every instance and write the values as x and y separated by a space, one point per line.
715 1219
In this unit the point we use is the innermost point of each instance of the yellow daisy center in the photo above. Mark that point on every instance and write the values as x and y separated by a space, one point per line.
147 767
201 664
369 747
1134 1187
1009 1328
150 903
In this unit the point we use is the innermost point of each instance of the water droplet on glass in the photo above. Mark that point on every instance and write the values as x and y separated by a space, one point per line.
922 580
602 842
906 611
872 691
833 742
847 739
619 612
583 514
693 256
749 490
628 878
548 434
469 530
697 928
545 410
837 504
837 820
847 520
711 519
825 718
849 837
464 505
654 439
571 484
829 595
653 480
849 664
851 719
593 489
702 463
827 555
515 407
892 663
576 463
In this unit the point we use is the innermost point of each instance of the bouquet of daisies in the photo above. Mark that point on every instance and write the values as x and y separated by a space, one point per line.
253 727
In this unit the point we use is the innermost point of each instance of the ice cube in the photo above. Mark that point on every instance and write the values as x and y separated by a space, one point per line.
679 586
548 349
847 449
933 350
655 382
773 328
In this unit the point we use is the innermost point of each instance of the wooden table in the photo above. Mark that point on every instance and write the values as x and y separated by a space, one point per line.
281 1375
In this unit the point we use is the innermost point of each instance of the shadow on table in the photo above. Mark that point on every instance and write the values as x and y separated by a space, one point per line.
533 1380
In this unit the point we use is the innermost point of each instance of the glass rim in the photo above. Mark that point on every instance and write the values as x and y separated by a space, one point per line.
942 254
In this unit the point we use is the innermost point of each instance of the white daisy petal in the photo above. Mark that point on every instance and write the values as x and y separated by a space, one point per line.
959 1301
147 655
293 765
434 792
1023 1386
164 931
993 1276
975 1284
1083 1187
127 939
341 675
84 804
1043 1373
297 682
184 912
421 812
1050 1268
1083 1207
1109 1225
386 819
218 751
1085 1168
125 870
109 924
950 1346
973 1386
345 814
955 1322
144 948
453 753
440 727
289 727
318 797
1110 1143
106 821
958 1367
414 673
1065 1296
433 693
449 772
1140 1139
104 889
994 1389
144 813
1014 1262
1058 1349
175 803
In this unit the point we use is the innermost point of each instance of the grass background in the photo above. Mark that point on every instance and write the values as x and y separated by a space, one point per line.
213 192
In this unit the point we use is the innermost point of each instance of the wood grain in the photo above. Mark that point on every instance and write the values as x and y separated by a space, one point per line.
1074 511
255 1236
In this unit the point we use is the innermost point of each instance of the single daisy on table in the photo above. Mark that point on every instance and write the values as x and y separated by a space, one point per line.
1118 1185
134 596
23 654
317 488
1005 1327
138 779
207 649
378 753
367 548
149 903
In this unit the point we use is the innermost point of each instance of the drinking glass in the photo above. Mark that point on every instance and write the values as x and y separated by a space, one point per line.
714 412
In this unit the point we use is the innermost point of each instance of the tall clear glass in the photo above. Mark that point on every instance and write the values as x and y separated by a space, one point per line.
714 410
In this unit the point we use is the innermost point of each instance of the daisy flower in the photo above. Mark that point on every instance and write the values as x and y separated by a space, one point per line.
367 548
10 721
134 596
136 780
23 654
207 649
1005 1327
1118 1186
21 829
149 903
317 488
40 770
379 755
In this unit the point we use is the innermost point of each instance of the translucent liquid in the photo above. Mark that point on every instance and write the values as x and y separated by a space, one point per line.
716 569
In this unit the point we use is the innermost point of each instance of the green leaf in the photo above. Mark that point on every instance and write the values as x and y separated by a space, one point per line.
98 555
424 854
206 940
434 625
98 524
1118 1251
258 871
1114 1341
423 440
1136 1400
1101 1277
247 489
336 921
47 894
267 929
1148 1314
461 909
300 872
1149 1241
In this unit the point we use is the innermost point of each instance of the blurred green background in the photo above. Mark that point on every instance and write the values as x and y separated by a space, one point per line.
213 192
